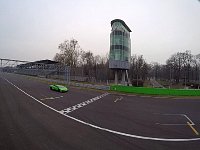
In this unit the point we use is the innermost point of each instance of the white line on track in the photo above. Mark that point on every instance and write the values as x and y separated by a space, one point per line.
118 99
169 124
160 97
82 104
51 98
145 96
191 122
105 129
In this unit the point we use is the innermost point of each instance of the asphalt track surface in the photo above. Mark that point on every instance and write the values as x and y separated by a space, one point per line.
34 117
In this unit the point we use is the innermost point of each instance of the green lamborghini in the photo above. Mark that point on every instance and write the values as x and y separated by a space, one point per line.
59 88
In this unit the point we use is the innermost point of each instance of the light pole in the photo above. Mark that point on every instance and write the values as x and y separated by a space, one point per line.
1 65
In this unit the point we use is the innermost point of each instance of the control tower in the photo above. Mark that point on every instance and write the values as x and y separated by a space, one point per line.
120 49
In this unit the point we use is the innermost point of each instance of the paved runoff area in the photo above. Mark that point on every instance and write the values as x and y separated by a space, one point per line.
34 117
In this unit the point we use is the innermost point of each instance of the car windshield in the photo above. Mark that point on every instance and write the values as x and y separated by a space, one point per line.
60 86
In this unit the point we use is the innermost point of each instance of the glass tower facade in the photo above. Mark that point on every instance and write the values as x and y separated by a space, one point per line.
120 45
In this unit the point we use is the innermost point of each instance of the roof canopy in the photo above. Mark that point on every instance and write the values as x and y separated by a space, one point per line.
41 62
46 61
122 22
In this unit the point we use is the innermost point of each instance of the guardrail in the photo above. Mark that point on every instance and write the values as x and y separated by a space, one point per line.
130 89
91 86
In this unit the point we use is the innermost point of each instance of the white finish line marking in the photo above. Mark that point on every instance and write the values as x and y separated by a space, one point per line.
105 129
77 106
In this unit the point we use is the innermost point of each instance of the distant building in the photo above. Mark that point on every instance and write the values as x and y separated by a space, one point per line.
38 68
120 48
36 63
198 56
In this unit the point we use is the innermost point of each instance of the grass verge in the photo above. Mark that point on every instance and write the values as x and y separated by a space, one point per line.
155 91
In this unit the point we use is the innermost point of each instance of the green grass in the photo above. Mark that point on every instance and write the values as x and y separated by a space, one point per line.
155 91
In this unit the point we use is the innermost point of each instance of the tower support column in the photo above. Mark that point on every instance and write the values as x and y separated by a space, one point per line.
116 77
123 77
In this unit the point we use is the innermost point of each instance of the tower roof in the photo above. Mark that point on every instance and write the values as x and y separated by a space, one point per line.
122 22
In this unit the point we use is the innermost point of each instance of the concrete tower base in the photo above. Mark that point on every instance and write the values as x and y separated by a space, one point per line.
124 73
116 77
123 77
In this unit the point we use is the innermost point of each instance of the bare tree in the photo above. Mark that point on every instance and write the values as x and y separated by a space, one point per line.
69 53
59 58
88 64
139 68
181 63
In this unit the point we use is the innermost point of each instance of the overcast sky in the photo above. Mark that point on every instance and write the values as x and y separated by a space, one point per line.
32 29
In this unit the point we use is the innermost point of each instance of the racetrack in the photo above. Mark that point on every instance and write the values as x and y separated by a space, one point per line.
34 117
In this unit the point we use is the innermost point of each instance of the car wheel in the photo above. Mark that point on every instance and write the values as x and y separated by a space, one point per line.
51 88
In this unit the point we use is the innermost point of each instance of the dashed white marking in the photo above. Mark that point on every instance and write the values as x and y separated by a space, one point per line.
105 129
77 106
50 98
125 95
118 99
160 97
145 96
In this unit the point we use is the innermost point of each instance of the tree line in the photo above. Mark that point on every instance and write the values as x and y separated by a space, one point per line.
85 66
181 67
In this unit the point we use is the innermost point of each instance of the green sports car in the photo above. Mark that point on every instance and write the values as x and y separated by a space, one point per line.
59 88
